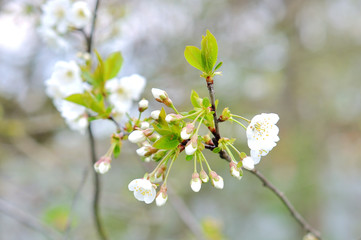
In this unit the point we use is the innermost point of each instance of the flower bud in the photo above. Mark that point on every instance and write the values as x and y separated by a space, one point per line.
102 165
161 96
144 125
196 182
137 136
248 163
143 105
217 181
172 117
187 131
226 114
192 145
208 140
203 176
162 196
146 151
155 114
234 170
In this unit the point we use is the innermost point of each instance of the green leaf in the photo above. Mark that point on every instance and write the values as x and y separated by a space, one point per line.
193 57
209 52
189 157
217 150
194 99
218 66
206 103
98 74
112 65
167 142
243 155
87 100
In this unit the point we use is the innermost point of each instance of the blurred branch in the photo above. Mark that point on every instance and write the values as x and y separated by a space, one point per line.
27 220
295 214
186 215
75 199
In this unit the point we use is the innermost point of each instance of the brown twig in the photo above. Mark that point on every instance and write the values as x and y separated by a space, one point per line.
295 214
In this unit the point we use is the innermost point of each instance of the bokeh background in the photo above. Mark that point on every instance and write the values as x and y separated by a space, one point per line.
300 59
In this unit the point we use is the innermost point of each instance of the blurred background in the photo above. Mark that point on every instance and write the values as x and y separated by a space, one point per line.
300 59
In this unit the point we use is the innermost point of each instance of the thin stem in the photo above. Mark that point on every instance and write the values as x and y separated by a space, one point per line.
235 149
190 115
195 163
234 120
200 124
165 158
97 188
173 107
243 118
170 166
205 160
230 154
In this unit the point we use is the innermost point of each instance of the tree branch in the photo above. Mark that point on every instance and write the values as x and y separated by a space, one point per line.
97 186
295 214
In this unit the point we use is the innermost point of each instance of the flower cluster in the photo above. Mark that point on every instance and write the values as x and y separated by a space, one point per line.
60 17
163 137
64 81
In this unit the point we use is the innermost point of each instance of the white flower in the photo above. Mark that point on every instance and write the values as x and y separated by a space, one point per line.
79 15
159 94
257 154
196 182
55 14
155 114
52 38
137 136
248 163
161 199
143 190
75 115
262 132
143 104
127 87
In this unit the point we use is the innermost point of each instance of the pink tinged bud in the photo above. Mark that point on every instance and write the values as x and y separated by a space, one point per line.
155 114
217 181
196 182
190 150
143 105
162 196
248 163
203 176
187 131
137 136
234 170
103 165
172 117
